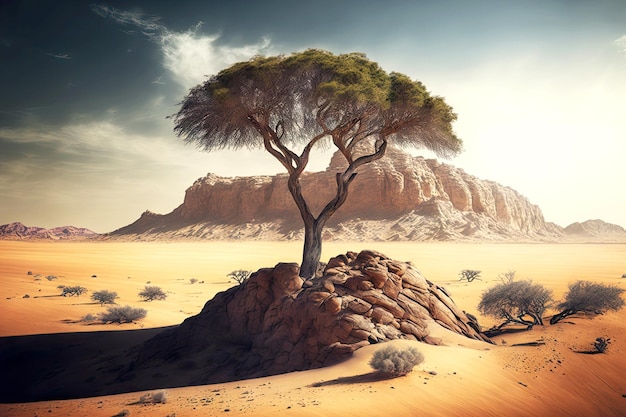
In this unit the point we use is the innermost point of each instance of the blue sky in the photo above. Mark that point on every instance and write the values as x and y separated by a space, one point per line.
539 88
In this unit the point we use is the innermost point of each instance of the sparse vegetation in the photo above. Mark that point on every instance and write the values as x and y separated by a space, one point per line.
393 361
73 290
590 298
51 277
469 275
89 318
125 314
507 277
193 280
239 275
152 292
157 397
104 297
601 344
516 302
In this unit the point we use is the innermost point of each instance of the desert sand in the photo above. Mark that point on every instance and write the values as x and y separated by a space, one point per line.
463 378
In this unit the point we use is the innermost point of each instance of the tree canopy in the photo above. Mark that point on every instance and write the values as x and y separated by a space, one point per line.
589 297
288 104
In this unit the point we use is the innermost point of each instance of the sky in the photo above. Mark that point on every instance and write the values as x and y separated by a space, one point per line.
539 88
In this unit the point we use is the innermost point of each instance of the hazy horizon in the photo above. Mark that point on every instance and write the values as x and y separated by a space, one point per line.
539 88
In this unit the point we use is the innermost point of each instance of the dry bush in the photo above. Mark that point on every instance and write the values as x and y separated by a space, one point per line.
518 302
104 297
157 397
239 275
589 297
469 275
125 314
507 277
396 362
70 291
152 292
601 344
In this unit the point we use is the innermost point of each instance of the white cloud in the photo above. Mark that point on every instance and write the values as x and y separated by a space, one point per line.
621 43
188 56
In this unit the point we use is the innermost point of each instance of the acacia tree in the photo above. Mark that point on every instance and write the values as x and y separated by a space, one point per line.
518 302
289 104
589 297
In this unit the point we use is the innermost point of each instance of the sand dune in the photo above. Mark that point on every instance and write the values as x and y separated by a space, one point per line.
464 378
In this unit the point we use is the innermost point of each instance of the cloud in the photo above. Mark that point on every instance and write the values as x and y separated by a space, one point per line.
189 56
60 56
621 43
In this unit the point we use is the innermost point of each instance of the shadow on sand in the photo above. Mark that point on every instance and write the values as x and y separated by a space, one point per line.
356 379
69 365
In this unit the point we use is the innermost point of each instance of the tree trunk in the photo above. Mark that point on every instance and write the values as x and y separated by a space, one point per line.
312 250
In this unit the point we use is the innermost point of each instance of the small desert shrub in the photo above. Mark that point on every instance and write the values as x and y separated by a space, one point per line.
469 275
152 292
104 297
89 318
157 397
193 280
393 361
29 273
51 277
70 291
507 277
239 275
125 314
601 344
589 297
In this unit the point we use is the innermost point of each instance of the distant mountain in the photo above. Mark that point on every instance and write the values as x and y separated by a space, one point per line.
18 231
397 198
595 229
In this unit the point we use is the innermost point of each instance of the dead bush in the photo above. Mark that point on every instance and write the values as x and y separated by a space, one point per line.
396 362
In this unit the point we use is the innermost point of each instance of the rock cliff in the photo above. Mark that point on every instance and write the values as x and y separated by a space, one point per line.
275 322
399 197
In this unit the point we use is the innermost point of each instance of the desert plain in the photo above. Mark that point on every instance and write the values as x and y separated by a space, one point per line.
545 375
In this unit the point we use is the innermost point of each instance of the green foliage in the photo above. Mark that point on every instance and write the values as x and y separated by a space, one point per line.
125 314
239 275
152 292
104 297
469 275
393 361
589 297
69 291
514 301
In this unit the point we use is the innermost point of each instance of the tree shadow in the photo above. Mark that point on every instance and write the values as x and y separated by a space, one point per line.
356 379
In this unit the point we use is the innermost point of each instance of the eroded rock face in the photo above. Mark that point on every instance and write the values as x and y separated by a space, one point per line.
275 322
398 188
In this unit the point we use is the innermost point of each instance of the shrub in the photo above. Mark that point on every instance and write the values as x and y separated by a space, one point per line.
51 277
239 275
601 344
507 277
125 314
152 292
193 280
589 297
70 291
157 397
89 318
519 302
393 361
469 275
104 297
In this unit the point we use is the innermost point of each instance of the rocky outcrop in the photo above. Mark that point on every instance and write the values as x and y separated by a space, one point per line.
399 197
18 231
275 322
